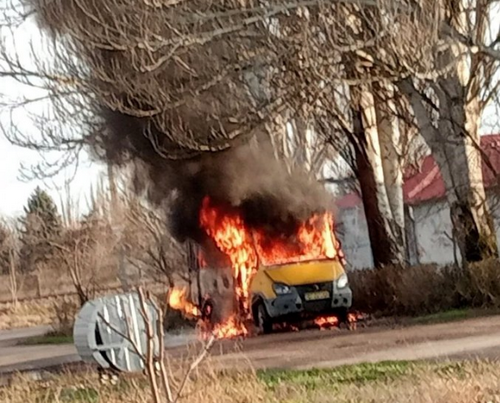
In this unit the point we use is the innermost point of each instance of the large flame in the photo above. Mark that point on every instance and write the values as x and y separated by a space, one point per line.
235 241
313 240
232 327
177 299
245 249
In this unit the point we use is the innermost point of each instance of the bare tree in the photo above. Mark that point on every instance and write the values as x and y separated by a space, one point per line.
9 257
85 253
447 101
197 78
411 46
343 102
193 81
149 244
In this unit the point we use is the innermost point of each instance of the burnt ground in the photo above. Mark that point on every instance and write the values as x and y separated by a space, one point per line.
467 339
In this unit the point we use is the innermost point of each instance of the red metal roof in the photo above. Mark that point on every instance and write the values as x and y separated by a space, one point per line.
426 183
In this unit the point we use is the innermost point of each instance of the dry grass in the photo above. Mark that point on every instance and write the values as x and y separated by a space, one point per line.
27 314
205 387
53 311
371 383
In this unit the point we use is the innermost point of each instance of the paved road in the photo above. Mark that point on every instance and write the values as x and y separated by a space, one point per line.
15 356
306 349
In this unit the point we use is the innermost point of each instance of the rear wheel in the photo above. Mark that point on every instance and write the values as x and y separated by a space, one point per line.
261 318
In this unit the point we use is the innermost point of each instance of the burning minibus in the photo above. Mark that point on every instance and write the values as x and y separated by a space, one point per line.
250 275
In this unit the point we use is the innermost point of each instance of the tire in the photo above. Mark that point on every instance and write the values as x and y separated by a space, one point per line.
261 318
344 322
343 315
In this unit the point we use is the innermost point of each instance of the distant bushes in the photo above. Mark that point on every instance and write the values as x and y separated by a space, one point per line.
426 289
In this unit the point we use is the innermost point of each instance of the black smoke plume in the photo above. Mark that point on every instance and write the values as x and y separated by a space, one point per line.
193 95
247 178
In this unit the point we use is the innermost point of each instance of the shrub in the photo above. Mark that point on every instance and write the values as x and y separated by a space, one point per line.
425 289
65 312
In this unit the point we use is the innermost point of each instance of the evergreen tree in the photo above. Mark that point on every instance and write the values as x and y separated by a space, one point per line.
42 216
40 225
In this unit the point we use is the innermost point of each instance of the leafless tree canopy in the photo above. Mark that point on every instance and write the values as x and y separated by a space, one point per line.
173 84
192 77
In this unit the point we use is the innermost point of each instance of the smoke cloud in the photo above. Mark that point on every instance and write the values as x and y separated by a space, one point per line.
219 86
246 177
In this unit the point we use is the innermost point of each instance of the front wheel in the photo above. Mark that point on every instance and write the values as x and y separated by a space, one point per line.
344 321
261 319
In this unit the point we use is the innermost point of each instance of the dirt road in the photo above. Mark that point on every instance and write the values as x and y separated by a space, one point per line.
322 349
312 348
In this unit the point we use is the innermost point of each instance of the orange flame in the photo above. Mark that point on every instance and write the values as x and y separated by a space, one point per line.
177 299
326 321
233 327
234 240
332 321
313 240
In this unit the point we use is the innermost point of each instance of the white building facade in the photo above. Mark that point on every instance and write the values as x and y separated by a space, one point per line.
428 221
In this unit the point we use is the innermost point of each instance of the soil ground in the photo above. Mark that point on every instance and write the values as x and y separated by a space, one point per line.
471 338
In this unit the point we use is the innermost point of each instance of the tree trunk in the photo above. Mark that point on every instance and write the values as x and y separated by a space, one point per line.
385 247
13 277
390 154
455 141
461 167
454 144
412 253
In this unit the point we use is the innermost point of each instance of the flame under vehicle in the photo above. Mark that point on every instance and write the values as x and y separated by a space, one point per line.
291 280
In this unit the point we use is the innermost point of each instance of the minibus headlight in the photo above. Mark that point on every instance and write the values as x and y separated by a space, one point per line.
281 289
342 281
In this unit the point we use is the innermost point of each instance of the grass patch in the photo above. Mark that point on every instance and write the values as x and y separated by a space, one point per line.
48 339
453 316
386 382
79 394
321 378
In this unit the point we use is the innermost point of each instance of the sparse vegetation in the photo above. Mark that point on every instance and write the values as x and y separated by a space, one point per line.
453 315
387 382
321 378
81 258
426 289
66 312
26 314
50 338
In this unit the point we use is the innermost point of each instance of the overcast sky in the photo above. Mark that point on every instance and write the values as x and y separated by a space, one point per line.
15 192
